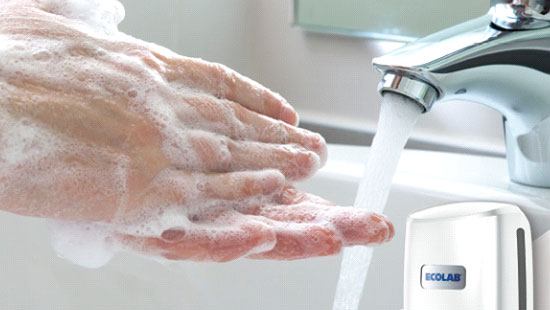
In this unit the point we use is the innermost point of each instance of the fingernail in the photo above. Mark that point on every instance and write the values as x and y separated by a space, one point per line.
173 235
309 162
382 219
304 159
391 228
272 183
378 218
288 115
319 145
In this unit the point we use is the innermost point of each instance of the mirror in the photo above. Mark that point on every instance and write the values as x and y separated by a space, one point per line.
400 20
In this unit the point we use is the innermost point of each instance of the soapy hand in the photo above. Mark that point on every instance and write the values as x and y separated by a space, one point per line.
89 121
99 126
291 225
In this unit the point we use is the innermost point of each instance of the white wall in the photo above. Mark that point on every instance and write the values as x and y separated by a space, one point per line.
329 79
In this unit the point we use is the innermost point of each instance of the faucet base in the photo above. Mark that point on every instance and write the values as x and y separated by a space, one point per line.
528 156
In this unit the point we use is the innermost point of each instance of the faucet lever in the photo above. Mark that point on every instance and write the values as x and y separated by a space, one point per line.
520 14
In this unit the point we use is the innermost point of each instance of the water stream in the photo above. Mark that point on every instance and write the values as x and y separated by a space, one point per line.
398 115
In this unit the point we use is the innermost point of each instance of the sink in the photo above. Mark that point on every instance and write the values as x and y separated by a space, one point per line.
32 277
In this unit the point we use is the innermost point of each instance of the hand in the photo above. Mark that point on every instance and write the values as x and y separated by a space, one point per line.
90 122
109 128
291 225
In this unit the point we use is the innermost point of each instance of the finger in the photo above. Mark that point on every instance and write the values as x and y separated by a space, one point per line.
296 241
362 227
294 162
230 119
219 154
240 185
356 226
173 187
223 82
302 234
292 196
217 243
256 97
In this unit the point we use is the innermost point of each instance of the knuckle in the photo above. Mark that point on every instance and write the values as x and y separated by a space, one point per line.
207 107
226 81
213 151
276 131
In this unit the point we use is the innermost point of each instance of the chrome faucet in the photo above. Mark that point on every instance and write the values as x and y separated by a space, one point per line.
501 60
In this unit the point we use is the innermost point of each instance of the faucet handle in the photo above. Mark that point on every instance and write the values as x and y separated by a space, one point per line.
520 14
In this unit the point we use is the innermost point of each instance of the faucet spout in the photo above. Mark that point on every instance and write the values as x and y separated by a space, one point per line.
505 66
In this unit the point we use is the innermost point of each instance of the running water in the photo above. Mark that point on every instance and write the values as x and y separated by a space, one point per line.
398 116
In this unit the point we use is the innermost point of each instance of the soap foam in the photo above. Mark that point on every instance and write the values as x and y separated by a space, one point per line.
101 15
84 244
93 244
33 156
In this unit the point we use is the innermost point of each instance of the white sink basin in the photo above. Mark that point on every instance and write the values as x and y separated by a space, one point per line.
32 277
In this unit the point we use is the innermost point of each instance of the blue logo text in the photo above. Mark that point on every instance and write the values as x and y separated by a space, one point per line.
442 277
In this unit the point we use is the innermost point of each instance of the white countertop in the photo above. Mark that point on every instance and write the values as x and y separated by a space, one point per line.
466 177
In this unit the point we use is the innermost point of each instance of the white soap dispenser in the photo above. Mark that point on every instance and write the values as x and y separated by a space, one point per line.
468 256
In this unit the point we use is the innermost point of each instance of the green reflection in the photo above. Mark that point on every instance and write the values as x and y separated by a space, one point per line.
401 20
